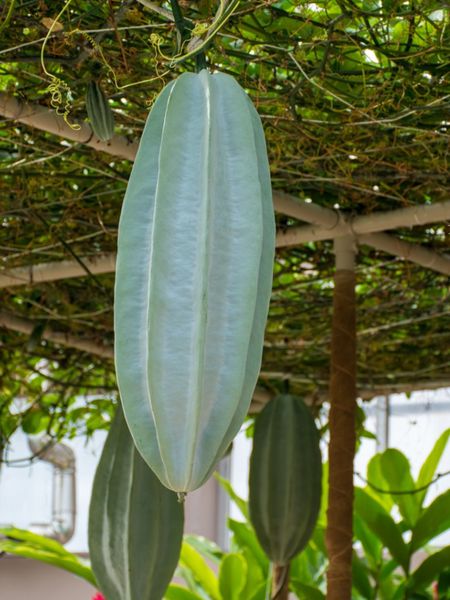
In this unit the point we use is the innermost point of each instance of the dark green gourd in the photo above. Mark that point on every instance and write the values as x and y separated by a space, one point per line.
99 112
285 478
135 523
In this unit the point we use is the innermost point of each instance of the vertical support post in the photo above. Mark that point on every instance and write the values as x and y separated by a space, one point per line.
382 423
339 531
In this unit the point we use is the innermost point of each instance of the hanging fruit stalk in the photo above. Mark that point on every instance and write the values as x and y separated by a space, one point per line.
339 532
135 523
285 483
194 275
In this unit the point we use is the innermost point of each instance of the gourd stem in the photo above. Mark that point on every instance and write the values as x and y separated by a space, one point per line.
179 19
280 582
200 62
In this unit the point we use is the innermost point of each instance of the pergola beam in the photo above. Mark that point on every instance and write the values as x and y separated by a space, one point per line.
54 271
325 222
261 395
61 338
47 120
333 224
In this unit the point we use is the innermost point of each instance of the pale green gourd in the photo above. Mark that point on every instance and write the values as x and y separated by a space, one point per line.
135 523
194 275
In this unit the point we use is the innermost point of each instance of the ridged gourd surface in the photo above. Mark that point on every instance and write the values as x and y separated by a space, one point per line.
194 275
135 523
285 478
99 112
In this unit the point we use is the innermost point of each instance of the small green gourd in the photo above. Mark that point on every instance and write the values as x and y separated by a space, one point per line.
99 112
135 523
194 276
285 478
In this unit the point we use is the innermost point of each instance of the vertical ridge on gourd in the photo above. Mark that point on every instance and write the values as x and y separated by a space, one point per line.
99 112
194 274
285 478
135 523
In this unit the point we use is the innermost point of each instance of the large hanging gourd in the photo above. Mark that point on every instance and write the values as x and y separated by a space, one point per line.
285 478
193 276
135 523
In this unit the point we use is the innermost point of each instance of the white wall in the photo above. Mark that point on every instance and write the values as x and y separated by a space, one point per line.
22 579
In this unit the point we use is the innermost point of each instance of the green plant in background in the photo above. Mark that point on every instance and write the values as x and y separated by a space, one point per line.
392 523
389 529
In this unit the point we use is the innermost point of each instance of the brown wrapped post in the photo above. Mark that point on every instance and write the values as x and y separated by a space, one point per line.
342 424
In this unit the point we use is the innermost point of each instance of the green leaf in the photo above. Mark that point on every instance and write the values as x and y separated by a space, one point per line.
434 520
176 592
200 570
36 540
370 542
240 502
360 577
260 593
68 562
232 576
245 537
396 471
429 570
255 575
35 421
376 479
306 592
383 525
431 464
206 547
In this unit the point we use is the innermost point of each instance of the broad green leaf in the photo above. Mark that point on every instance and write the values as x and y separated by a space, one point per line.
255 575
240 502
376 480
306 592
200 570
232 576
206 547
370 542
383 525
396 471
444 584
176 592
245 537
36 540
434 520
429 570
68 562
360 577
260 593
430 464
318 539
322 518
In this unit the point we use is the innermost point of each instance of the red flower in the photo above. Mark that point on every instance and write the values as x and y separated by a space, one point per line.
98 597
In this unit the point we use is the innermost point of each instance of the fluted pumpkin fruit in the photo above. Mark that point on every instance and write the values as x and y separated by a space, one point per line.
135 523
285 482
193 277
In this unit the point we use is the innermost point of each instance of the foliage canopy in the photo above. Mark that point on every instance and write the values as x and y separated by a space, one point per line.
354 98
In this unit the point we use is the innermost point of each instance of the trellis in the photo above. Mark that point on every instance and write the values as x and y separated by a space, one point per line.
326 224
313 84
